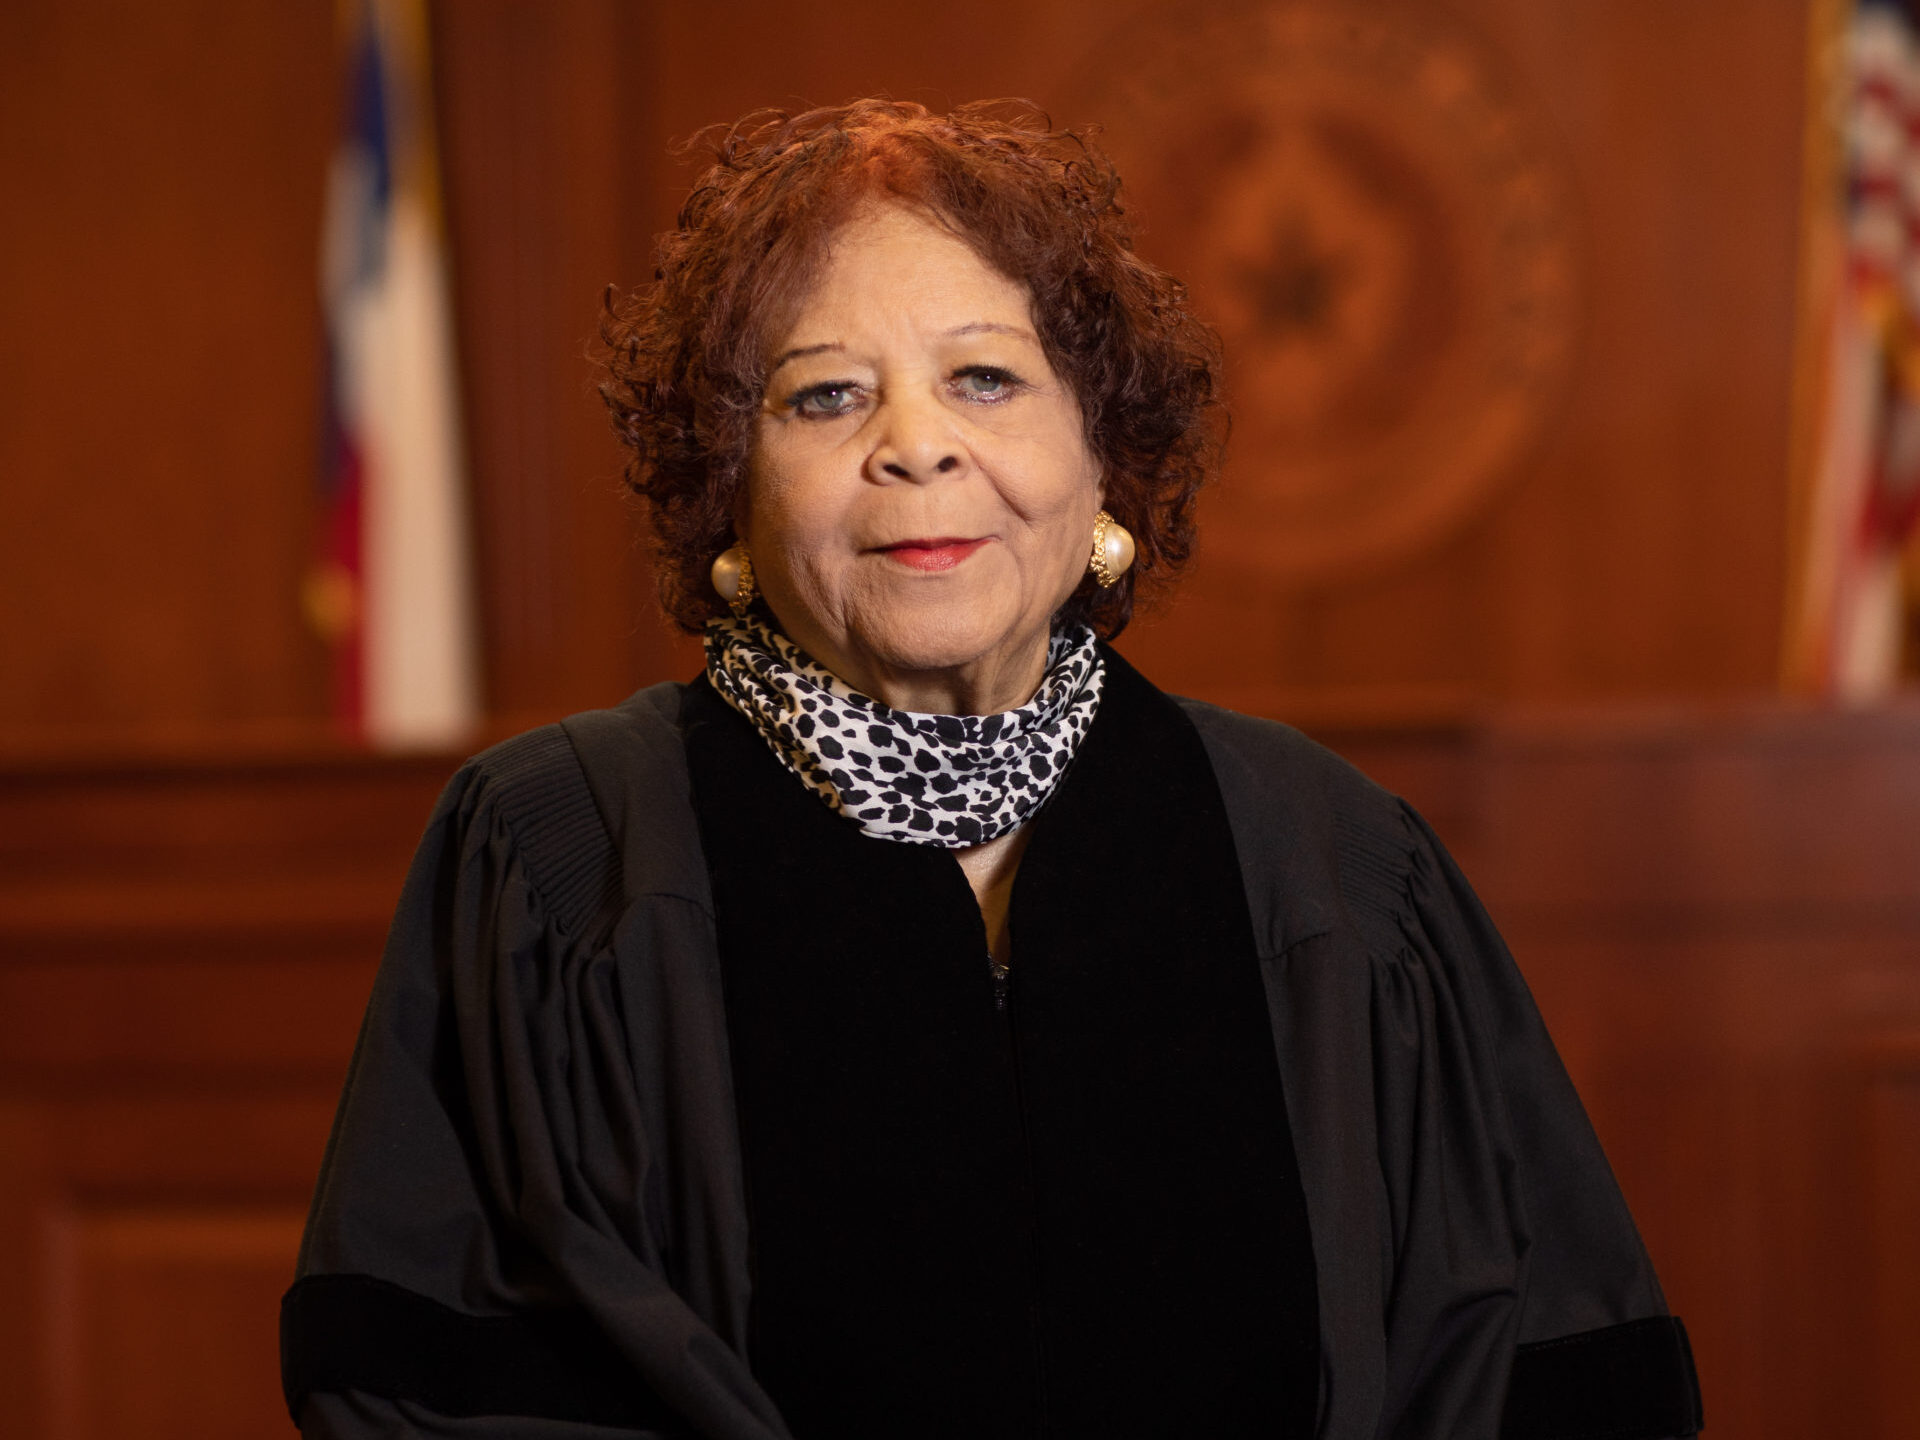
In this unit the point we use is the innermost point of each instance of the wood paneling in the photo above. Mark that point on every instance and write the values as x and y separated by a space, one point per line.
186 944
538 110
153 1235
1718 914
155 1301
1638 549
1893 1145
160 356
245 901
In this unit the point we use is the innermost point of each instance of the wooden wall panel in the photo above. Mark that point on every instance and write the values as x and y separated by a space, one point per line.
1643 549
159 358
538 109
1718 915
154 1235
186 946
155 1305
1639 547
1893 1142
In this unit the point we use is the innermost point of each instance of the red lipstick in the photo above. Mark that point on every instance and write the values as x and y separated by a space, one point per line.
939 554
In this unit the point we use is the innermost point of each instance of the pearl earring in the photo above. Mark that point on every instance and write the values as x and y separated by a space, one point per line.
732 576
1113 550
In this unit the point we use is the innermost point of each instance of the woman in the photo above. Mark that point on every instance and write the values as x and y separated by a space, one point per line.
920 1025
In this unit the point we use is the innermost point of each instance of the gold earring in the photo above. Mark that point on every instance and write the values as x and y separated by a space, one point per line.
732 576
1113 550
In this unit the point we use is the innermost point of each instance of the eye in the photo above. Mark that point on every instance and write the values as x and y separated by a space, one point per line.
825 400
989 383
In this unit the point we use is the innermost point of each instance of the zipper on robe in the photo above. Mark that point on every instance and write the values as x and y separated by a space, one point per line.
1002 1001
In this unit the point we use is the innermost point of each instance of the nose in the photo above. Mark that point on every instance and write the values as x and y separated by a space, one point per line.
916 442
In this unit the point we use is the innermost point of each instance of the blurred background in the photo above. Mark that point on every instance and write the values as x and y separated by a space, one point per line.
1571 495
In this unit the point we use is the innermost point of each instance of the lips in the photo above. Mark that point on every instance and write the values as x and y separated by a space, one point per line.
942 553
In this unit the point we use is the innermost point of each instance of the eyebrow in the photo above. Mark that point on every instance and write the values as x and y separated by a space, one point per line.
976 327
988 327
804 351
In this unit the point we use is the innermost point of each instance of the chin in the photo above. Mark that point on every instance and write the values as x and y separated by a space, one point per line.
941 643
928 656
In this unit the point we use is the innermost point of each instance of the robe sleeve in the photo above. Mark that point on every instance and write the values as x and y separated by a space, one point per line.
1520 1301
485 1254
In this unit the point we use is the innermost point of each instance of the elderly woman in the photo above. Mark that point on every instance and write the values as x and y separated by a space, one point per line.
920 1025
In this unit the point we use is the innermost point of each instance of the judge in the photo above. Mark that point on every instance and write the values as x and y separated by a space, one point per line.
920 1025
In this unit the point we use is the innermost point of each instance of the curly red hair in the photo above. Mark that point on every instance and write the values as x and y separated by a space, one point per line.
686 356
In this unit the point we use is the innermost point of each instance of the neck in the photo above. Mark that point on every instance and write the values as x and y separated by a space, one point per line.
990 869
937 693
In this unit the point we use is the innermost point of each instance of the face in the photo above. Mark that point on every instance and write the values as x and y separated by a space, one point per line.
921 498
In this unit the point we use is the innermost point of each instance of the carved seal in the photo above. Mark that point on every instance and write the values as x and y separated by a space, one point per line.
1359 201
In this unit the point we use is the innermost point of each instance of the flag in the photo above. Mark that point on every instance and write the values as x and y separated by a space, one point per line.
391 587
1856 596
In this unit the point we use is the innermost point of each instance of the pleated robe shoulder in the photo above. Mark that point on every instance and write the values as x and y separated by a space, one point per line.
681 1108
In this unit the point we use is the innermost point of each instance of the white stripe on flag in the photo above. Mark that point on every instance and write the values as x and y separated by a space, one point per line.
422 686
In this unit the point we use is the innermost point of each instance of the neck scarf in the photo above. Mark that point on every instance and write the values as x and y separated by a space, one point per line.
945 780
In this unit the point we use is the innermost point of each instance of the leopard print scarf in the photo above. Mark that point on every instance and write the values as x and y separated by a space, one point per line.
945 780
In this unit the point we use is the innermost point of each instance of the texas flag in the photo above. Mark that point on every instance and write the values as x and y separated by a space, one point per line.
392 586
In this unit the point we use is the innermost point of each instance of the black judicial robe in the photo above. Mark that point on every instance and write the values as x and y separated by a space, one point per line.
1264 1137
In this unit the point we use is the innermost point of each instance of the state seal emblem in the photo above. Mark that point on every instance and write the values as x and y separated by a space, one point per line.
1365 209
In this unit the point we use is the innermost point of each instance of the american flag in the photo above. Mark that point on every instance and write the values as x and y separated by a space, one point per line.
1856 598
391 586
